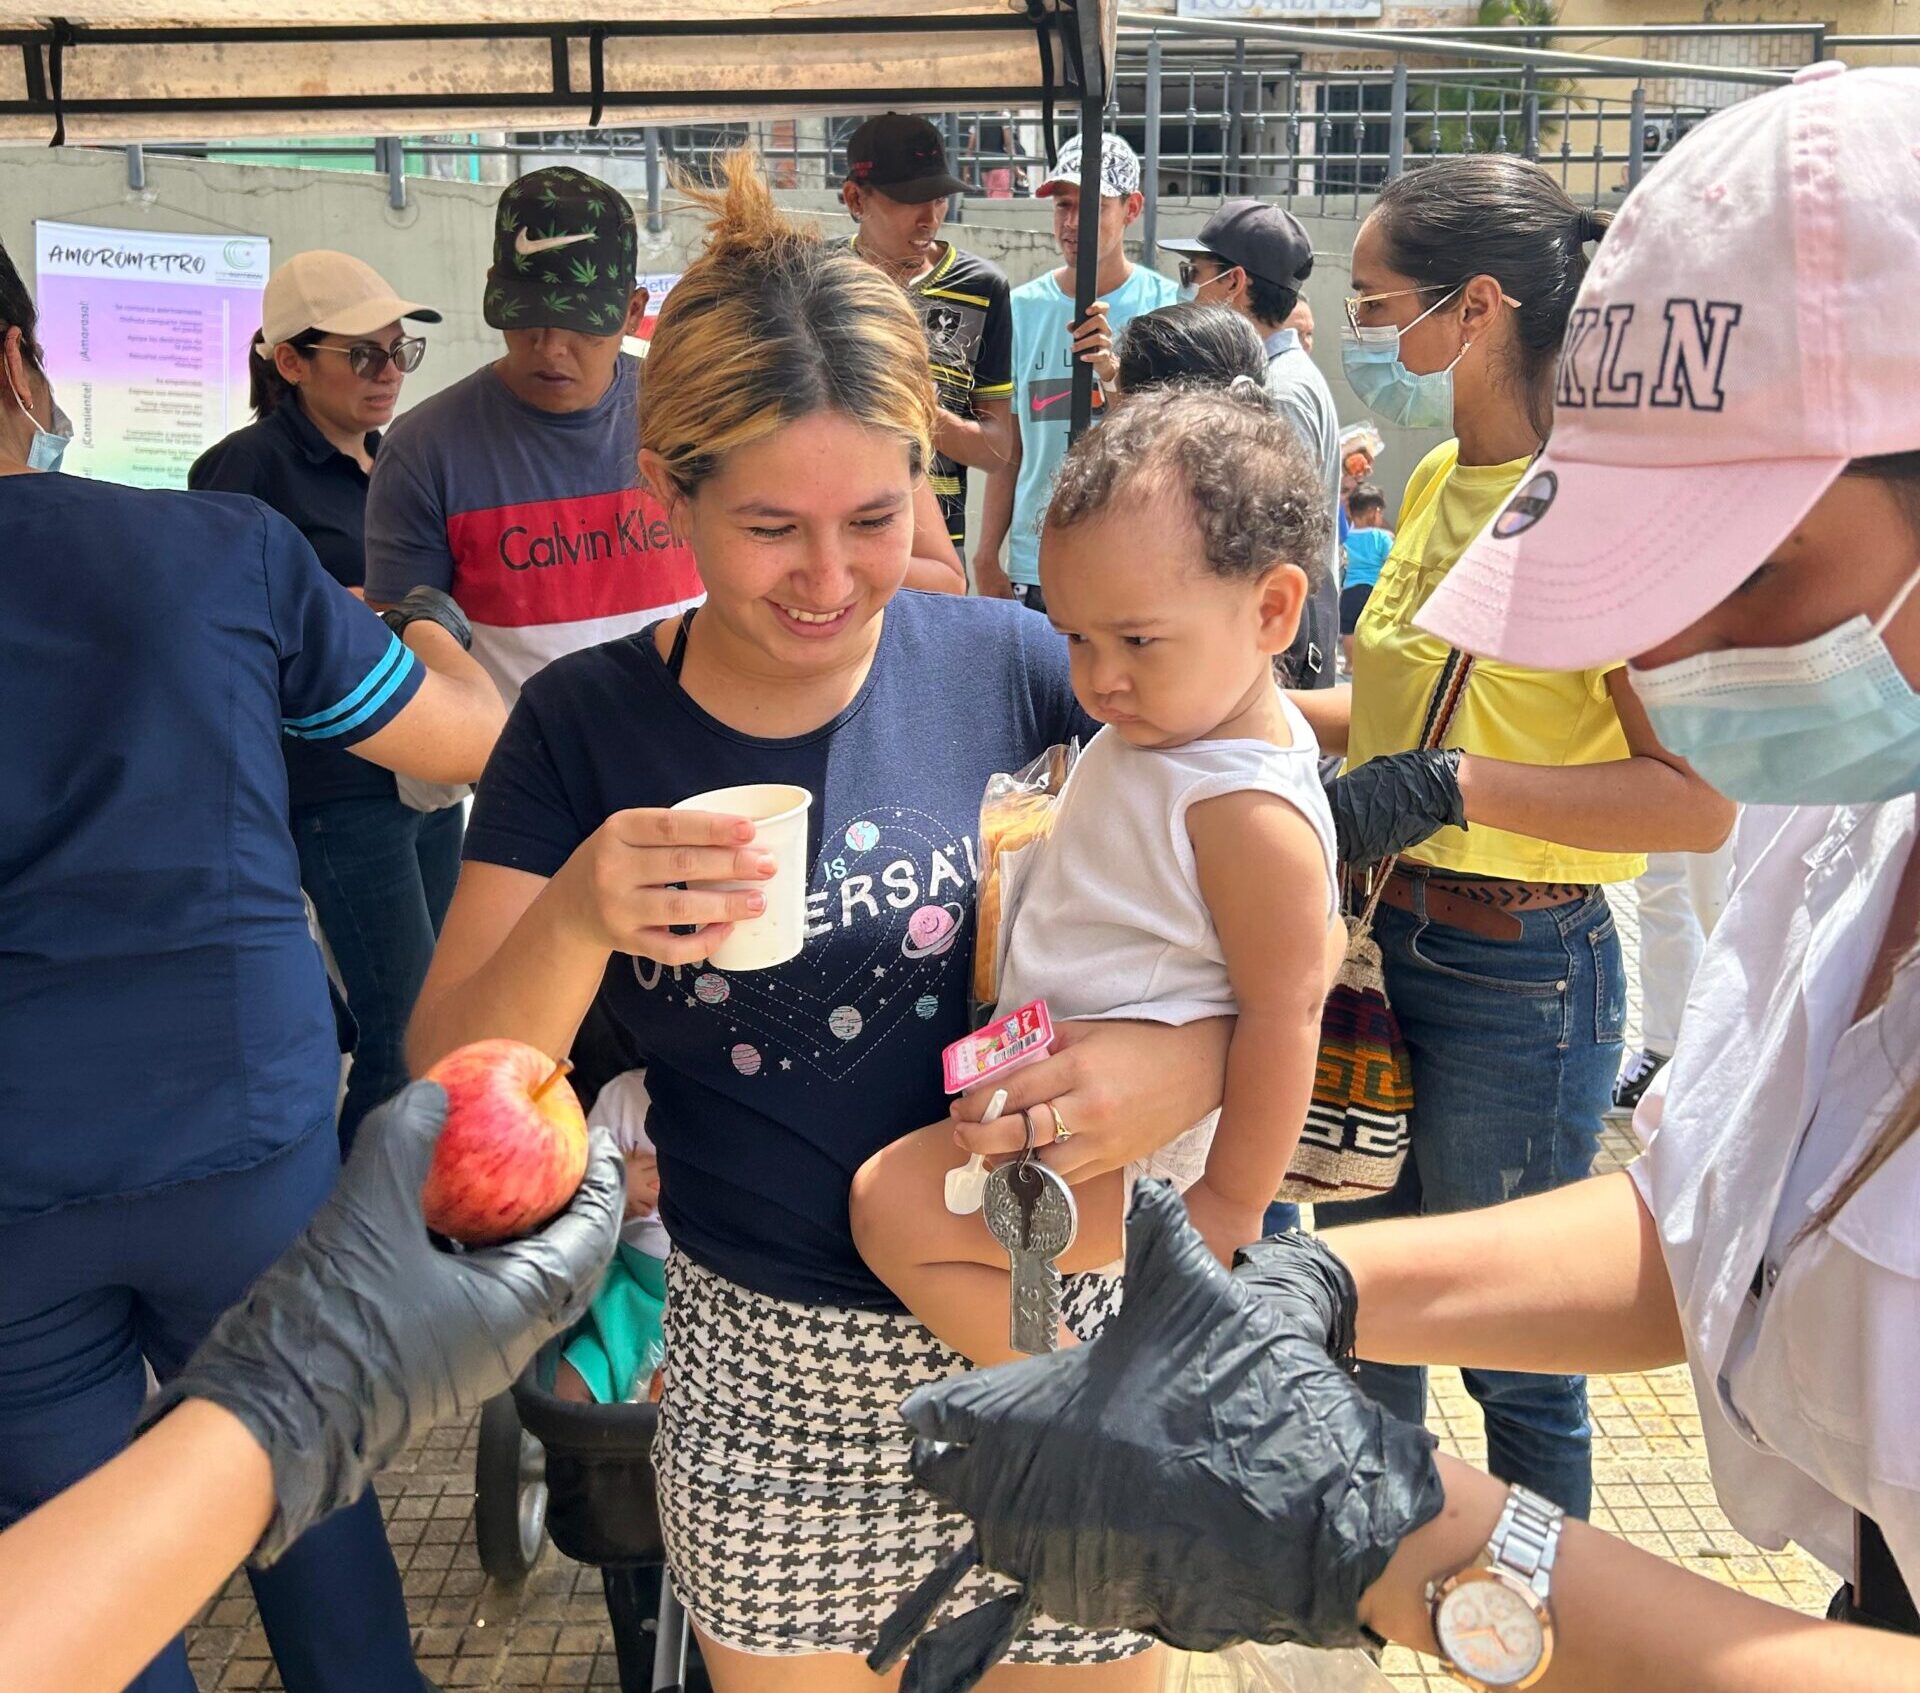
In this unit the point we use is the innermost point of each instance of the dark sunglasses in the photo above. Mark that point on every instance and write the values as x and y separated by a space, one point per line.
368 361
1190 276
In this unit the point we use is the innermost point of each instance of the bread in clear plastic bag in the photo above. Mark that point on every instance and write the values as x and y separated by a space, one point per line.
1016 811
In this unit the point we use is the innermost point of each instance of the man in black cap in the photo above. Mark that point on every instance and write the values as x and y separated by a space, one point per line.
516 490
1256 258
896 191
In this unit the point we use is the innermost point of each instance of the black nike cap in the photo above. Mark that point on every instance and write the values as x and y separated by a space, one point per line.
565 251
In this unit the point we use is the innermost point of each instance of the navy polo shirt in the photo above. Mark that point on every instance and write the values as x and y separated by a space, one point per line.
163 1010
284 460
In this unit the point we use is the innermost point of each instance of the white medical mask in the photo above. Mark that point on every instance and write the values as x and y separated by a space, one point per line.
1830 721
48 448
1370 357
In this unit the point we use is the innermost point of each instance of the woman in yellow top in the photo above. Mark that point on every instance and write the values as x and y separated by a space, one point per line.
1501 959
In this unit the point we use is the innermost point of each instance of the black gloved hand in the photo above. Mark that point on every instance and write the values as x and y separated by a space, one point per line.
364 1331
1396 802
1202 1472
1301 1275
429 605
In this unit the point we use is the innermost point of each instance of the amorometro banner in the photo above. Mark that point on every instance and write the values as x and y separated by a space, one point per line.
146 341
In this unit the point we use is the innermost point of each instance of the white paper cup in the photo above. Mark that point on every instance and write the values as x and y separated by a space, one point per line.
779 814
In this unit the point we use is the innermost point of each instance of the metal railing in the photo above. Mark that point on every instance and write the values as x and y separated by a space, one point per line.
1315 118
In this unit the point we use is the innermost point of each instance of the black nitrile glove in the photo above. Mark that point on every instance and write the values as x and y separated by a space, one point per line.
1396 802
429 605
1300 1274
1202 1472
363 1331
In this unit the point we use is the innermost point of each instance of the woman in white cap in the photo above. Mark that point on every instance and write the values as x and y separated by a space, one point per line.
1732 497
326 374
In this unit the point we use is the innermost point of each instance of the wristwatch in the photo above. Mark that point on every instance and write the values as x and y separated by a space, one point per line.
429 605
1493 1620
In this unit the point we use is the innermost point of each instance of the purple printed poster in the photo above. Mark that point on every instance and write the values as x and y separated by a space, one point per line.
146 340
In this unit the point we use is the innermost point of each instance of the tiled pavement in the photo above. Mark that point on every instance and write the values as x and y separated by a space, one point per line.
1651 1486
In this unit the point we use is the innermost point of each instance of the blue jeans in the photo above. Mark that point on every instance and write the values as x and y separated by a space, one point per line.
89 1292
1514 1047
380 875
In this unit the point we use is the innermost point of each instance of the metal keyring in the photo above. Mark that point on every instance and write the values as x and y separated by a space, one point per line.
1026 1152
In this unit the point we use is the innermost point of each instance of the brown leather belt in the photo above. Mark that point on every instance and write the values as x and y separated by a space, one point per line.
1479 905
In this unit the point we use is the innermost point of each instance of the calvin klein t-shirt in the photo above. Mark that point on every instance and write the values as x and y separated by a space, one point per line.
770 1088
533 521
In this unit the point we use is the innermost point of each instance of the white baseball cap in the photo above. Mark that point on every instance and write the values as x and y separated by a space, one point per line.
1746 330
334 292
1119 169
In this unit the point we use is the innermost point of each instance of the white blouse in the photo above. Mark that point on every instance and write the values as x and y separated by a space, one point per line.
1805 1350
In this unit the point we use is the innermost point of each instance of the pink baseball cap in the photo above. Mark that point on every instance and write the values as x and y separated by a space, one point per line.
1747 328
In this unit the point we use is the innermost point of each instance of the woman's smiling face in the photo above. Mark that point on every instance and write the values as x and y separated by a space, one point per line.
802 536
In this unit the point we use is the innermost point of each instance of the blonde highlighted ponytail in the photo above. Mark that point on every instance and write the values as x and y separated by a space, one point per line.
771 324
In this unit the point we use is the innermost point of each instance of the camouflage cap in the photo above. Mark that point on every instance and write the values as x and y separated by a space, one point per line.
565 255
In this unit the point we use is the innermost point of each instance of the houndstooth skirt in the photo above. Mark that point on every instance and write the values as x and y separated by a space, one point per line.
792 1523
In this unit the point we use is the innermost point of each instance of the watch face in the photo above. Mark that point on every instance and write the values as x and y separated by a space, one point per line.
1490 1631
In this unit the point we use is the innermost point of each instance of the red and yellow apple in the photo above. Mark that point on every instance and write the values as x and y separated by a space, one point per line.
514 1147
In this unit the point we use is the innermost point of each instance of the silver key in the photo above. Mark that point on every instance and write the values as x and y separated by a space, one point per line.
1030 1211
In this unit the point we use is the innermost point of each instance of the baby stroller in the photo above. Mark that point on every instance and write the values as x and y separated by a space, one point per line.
582 1473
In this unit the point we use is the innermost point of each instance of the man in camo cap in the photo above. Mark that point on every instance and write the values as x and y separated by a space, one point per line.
515 490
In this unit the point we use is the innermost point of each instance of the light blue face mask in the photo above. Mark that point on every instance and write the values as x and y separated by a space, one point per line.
47 448
1828 722
1370 356
1189 292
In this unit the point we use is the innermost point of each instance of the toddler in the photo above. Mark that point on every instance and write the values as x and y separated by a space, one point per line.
615 1349
1189 872
1369 540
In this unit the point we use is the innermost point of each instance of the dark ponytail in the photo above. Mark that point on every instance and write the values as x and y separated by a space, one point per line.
266 387
1192 341
1490 214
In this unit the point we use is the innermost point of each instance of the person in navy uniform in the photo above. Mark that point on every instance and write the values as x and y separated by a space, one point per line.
169 1067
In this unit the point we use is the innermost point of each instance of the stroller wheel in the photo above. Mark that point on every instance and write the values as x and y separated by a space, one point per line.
509 1493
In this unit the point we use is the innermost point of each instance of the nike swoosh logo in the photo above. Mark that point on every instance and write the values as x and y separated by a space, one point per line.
526 249
1051 400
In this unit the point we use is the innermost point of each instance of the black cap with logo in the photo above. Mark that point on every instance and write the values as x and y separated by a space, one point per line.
903 157
565 252
1262 240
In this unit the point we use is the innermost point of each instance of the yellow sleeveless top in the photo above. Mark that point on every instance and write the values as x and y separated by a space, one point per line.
1544 717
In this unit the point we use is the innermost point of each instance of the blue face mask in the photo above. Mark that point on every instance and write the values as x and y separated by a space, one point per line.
1828 722
1370 357
47 448
1189 292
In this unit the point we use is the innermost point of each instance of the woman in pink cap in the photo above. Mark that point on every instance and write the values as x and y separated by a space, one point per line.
1731 497
1497 941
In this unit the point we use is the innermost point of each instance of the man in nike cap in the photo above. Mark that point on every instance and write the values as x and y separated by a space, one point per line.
515 490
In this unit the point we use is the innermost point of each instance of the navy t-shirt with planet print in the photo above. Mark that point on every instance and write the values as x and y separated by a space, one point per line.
770 1088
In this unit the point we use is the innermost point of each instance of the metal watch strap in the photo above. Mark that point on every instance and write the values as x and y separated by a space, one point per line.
1526 1539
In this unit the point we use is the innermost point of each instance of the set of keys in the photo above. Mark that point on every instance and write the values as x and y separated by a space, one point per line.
1031 1212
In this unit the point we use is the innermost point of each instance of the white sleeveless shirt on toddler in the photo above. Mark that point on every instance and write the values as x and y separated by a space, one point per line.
1104 917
